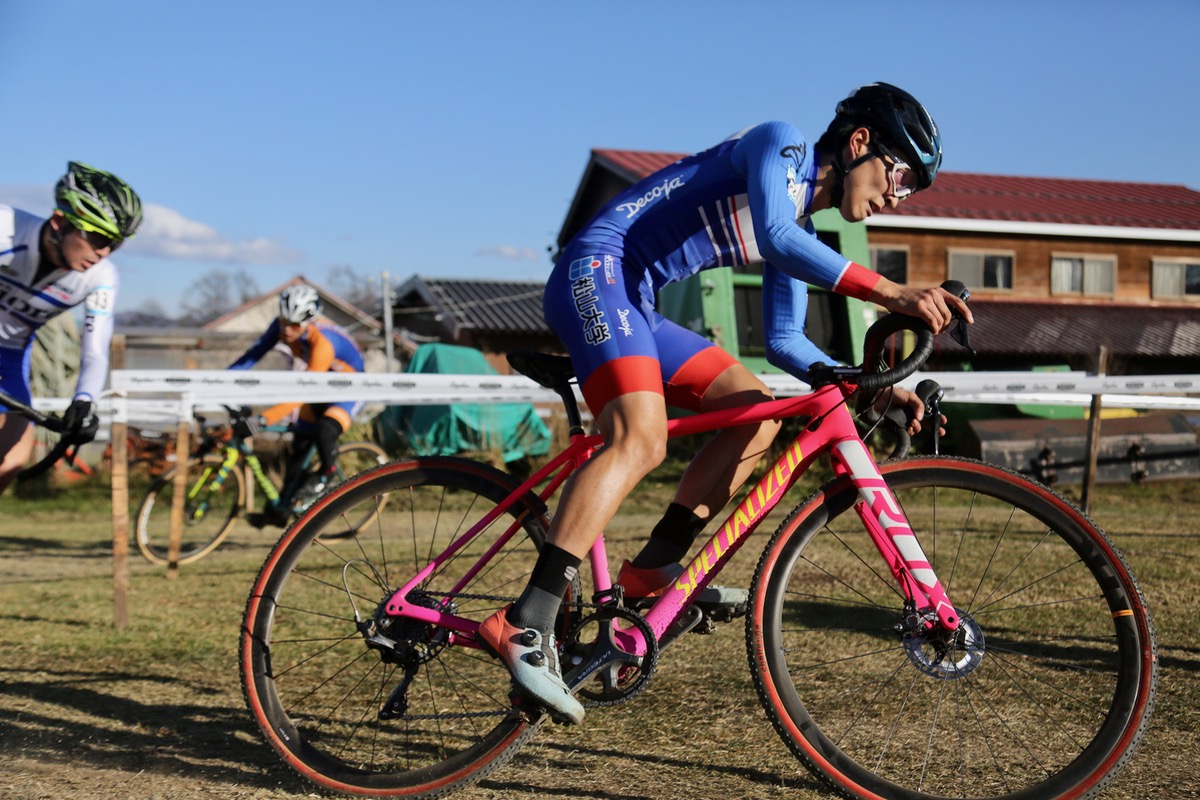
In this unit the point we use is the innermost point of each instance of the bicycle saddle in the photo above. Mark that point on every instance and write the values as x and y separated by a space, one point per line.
549 370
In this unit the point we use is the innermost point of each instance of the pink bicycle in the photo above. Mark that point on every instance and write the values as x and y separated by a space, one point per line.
928 627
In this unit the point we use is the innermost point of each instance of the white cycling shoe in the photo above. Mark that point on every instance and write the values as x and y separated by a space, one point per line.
532 659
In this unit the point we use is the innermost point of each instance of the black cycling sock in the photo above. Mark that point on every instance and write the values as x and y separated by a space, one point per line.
327 432
293 472
671 538
538 604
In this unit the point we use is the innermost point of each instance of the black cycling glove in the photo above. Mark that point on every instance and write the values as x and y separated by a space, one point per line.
80 422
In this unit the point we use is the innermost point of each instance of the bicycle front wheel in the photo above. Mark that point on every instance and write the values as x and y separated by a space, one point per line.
1043 693
210 509
353 458
360 702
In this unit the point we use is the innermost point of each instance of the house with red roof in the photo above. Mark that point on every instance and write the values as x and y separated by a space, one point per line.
1056 267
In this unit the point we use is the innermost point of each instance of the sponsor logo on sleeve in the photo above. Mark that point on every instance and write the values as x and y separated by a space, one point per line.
796 189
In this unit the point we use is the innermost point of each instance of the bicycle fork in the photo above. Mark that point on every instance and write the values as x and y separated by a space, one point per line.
892 535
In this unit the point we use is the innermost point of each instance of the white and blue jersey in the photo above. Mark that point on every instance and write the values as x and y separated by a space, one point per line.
29 300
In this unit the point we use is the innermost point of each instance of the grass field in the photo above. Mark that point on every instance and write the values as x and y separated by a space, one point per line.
155 710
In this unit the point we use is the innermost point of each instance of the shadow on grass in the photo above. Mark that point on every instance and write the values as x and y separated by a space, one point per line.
67 717
65 720
586 761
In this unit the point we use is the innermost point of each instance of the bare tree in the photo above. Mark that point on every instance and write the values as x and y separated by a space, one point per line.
361 290
215 293
149 314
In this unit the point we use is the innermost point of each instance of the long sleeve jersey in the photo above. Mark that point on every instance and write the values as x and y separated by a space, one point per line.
28 301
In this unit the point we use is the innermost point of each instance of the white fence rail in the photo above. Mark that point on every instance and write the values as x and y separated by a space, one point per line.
166 396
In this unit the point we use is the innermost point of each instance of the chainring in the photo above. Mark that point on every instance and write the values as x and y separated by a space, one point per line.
598 655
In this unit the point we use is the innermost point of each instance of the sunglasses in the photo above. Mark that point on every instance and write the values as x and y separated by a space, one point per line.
95 239
900 175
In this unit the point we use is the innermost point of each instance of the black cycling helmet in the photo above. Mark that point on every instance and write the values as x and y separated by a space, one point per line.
897 117
98 201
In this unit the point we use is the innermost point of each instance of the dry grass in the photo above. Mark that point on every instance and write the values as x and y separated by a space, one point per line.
155 710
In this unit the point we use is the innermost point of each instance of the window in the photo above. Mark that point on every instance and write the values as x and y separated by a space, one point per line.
1096 275
747 309
825 323
891 263
1171 278
982 270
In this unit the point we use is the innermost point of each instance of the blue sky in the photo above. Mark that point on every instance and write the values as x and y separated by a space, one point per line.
448 138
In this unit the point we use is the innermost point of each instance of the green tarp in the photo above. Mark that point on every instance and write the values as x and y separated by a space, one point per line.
512 430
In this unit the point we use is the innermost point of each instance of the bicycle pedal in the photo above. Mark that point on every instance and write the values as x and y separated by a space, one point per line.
724 613
531 709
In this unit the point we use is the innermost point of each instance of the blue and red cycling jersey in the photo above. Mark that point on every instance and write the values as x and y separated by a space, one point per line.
744 201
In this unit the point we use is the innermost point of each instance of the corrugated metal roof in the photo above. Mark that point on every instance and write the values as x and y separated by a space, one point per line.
491 306
1003 198
1032 328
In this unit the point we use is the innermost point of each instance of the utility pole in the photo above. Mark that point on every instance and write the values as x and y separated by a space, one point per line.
387 317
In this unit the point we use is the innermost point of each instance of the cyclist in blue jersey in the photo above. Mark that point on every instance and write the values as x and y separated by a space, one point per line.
749 199
324 348
48 266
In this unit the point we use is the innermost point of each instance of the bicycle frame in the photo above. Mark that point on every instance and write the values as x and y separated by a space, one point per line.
234 452
830 429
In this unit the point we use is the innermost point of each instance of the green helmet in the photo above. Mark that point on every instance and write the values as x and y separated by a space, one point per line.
95 200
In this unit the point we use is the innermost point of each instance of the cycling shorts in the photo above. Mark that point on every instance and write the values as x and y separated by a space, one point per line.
344 413
618 342
14 374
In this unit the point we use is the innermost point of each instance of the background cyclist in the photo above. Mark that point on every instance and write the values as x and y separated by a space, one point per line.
746 200
324 348
48 266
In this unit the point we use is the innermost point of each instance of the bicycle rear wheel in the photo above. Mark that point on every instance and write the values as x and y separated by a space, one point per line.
1046 691
352 459
210 510
363 703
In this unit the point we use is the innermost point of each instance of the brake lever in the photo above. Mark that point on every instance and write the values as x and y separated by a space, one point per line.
931 395
959 332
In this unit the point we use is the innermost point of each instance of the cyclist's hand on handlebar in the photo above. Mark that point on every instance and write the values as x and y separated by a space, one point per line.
914 409
935 305
248 426
80 421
